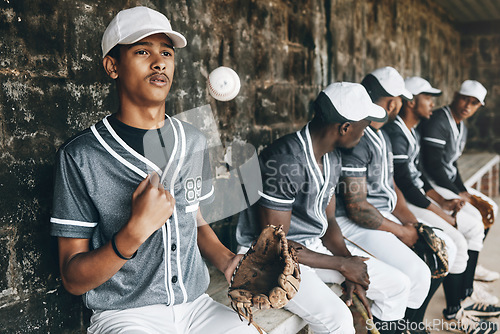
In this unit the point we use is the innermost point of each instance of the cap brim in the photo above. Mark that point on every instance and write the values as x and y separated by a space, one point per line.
406 94
432 91
178 40
377 114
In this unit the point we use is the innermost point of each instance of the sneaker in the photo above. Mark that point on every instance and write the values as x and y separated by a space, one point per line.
465 323
449 315
479 309
482 295
483 274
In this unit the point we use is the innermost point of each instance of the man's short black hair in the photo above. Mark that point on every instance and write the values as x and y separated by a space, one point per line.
115 52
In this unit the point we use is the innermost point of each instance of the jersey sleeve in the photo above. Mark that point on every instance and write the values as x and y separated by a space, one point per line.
356 160
434 168
435 132
282 177
74 214
402 175
400 147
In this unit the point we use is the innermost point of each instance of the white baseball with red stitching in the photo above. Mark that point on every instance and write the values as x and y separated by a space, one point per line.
223 84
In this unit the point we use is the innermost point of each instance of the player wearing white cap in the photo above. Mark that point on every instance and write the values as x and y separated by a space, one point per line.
371 211
132 242
436 210
443 139
300 172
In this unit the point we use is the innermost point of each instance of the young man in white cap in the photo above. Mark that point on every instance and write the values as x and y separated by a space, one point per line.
300 172
443 139
434 210
371 211
129 240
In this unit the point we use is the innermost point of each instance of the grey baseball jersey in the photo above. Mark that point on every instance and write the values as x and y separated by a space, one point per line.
405 147
371 158
293 181
96 174
442 131
406 152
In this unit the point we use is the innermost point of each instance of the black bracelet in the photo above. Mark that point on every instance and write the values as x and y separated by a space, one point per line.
113 244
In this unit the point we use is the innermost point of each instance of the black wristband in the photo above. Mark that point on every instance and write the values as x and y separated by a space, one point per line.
113 244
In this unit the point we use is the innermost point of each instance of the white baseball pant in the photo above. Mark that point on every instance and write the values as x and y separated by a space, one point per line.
469 219
387 248
201 316
325 312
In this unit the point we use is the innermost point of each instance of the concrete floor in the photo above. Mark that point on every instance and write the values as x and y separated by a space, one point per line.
489 258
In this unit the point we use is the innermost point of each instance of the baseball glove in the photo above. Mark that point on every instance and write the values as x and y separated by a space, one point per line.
485 209
432 250
267 276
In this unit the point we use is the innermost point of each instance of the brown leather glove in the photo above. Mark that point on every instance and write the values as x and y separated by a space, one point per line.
432 250
485 209
267 276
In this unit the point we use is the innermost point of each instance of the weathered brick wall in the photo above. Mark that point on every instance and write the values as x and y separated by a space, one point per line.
481 61
52 85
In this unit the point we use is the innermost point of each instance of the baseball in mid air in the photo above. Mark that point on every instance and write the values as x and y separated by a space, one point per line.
223 83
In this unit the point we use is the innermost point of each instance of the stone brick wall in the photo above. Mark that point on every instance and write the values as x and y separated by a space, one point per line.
480 45
52 86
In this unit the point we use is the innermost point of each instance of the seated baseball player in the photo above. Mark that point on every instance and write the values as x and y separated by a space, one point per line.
129 240
300 172
371 211
443 139
414 185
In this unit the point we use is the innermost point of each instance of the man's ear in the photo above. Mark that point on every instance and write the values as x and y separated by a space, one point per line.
411 103
110 67
391 105
344 128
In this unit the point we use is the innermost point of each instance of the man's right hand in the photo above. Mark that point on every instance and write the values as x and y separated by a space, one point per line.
454 204
351 288
408 234
152 206
354 269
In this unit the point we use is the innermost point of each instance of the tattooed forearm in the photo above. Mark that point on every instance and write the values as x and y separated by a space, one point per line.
354 190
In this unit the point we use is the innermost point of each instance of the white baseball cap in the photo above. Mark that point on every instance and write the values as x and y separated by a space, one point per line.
348 102
473 88
418 85
133 24
392 82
